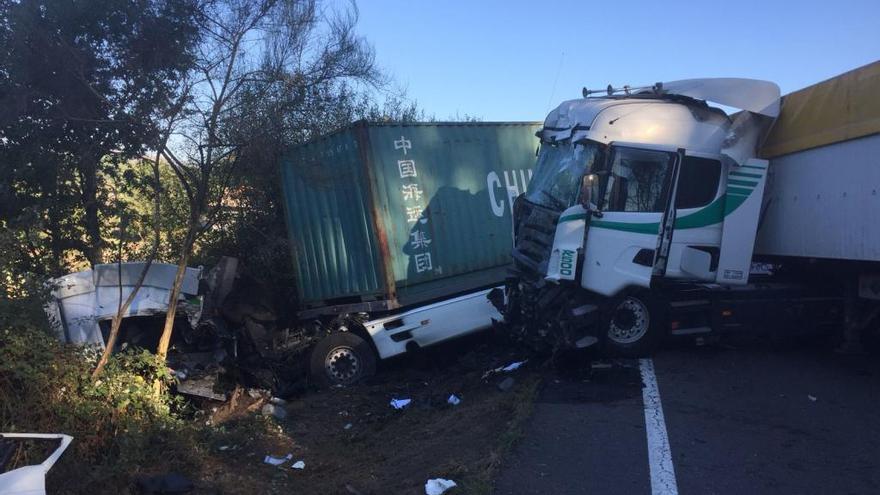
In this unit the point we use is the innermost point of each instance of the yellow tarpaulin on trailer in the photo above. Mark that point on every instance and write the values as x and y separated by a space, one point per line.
844 107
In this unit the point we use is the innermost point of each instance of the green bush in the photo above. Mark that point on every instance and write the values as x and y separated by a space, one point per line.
122 427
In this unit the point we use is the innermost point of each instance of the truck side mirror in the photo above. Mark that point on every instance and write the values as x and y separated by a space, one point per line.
587 183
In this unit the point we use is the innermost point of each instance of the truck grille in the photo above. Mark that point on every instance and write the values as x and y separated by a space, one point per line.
535 228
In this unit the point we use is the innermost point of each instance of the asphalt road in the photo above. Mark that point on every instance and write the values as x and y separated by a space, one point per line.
750 419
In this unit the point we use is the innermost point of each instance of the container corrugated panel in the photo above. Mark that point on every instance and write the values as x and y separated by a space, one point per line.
440 194
327 206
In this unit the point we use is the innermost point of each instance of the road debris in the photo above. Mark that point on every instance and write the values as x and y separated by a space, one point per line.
299 465
347 426
505 369
812 398
277 461
438 486
400 403
513 366
454 400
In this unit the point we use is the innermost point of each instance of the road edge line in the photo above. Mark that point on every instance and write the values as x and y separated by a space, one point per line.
659 453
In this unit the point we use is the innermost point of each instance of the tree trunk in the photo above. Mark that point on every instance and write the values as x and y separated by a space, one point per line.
186 248
89 176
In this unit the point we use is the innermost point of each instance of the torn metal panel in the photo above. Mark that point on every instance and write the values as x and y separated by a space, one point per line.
761 97
83 299
201 386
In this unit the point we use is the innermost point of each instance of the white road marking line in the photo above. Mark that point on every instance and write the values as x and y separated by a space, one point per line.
659 453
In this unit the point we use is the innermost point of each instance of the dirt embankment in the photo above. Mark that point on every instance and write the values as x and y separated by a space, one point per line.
353 442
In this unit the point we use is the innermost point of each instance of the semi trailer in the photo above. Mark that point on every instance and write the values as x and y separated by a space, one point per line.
653 213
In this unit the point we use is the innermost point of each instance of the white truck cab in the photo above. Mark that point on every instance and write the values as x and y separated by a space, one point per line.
633 189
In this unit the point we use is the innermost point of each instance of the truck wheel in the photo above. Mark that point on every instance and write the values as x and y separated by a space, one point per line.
341 358
634 325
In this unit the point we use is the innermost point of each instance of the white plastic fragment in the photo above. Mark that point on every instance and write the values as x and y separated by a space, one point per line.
347 426
510 367
454 400
812 398
400 403
277 461
438 486
513 366
299 465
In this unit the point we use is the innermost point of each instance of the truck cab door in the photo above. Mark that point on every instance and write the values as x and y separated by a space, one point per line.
624 242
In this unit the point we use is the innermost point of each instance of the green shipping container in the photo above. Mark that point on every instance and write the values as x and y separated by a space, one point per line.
382 216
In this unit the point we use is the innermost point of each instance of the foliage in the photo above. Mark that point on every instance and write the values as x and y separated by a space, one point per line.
81 84
117 421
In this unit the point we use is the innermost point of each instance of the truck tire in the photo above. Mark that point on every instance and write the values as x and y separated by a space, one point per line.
634 325
341 358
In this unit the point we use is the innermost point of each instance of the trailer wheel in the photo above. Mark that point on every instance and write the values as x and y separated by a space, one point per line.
341 358
634 325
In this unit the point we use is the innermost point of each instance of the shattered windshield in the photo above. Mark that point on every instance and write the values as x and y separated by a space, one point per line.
558 173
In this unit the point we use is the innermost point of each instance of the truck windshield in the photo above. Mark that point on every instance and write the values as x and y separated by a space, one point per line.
558 173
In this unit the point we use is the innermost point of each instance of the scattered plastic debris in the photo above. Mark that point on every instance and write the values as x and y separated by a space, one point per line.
812 398
506 384
454 400
400 403
277 461
438 486
504 369
513 366
299 465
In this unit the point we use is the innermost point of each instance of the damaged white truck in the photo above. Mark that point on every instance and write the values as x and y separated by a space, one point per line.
652 213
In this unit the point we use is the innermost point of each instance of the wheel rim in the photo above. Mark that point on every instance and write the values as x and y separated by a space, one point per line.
342 364
630 321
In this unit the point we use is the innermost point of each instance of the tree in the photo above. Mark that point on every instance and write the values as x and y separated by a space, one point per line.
115 325
80 85
252 50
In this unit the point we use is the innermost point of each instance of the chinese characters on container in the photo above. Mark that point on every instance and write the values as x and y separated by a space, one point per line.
412 195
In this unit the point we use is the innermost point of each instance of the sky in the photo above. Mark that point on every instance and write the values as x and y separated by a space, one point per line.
516 59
